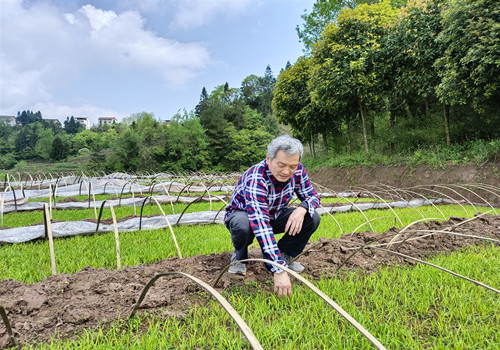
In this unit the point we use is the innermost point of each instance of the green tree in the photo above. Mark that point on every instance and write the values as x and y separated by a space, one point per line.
186 147
203 100
257 92
323 13
246 148
28 117
410 50
59 150
126 157
72 126
346 65
87 139
27 139
7 135
44 144
470 66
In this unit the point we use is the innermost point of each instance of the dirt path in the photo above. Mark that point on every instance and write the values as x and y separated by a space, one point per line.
69 303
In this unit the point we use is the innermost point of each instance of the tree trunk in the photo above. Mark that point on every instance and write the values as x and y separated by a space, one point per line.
312 146
325 143
362 110
407 110
447 124
392 124
348 122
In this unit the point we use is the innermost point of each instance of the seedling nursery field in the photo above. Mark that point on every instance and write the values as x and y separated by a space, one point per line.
138 262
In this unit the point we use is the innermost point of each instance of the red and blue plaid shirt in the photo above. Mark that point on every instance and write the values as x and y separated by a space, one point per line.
264 198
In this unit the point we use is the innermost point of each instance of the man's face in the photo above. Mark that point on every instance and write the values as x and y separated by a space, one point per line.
283 165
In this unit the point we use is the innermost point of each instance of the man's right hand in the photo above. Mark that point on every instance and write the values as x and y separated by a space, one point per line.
282 284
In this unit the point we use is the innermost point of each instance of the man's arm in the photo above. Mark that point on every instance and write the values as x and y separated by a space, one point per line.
258 214
306 193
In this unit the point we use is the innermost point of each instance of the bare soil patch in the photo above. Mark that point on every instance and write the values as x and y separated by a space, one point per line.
341 179
66 304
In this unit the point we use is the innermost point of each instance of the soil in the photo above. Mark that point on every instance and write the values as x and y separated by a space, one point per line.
64 305
403 176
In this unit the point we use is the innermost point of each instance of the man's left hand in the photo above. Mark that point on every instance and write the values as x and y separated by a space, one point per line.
295 221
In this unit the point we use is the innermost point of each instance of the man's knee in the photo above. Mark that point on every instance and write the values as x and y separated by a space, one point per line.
241 231
316 220
313 222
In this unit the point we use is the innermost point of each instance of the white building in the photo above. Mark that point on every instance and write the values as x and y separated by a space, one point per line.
84 121
106 120
11 120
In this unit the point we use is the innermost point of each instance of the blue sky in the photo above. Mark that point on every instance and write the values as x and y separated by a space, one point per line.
119 57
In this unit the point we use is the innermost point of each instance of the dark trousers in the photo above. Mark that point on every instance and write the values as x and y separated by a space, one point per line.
242 234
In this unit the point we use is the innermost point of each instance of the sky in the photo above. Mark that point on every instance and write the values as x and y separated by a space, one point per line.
114 58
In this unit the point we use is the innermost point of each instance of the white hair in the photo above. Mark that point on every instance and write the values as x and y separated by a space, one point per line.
286 143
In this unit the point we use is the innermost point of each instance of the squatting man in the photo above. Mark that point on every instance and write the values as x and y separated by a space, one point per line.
258 209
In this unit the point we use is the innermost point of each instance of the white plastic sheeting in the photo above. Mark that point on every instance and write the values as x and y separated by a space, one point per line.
73 228
110 187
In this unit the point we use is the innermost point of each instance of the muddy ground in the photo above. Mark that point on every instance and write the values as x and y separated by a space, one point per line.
66 304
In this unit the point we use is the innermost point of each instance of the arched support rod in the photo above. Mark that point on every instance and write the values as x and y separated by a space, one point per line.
322 295
225 304
477 283
12 341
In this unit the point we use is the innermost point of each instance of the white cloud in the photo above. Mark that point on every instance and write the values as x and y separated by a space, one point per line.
194 13
98 18
121 41
44 49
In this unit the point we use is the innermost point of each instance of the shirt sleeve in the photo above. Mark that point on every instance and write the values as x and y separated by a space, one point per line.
258 214
306 193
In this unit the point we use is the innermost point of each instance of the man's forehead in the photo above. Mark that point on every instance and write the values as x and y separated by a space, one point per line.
283 157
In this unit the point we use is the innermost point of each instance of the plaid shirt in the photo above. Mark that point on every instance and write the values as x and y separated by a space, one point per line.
264 198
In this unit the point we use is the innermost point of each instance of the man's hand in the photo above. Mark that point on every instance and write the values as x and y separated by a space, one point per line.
282 284
295 221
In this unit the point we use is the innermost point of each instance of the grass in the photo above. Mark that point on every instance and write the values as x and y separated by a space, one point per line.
428 310
29 262
26 218
403 307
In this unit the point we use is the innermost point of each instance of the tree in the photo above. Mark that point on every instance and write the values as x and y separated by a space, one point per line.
201 105
126 156
27 139
7 137
28 117
323 13
44 144
59 150
292 96
257 92
410 50
346 66
247 147
470 66
186 147
72 126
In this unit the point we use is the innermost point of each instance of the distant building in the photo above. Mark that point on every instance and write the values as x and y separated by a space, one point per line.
106 120
54 121
84 121
11 120
166 122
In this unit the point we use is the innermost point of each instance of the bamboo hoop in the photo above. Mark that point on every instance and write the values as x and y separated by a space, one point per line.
247 332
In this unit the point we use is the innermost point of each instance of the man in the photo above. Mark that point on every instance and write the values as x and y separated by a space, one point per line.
259 209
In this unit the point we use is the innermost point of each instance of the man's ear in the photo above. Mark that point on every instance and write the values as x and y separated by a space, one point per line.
267 159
